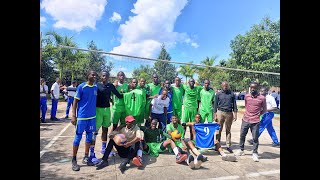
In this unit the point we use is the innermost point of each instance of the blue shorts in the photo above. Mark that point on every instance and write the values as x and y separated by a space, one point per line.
86 125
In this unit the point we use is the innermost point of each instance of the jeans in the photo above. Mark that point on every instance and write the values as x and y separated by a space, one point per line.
254 128
162 120
123 152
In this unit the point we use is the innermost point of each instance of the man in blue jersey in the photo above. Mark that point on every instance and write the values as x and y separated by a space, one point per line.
84 117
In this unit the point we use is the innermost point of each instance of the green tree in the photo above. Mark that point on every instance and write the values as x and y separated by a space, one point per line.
259 48
143 72
165 70
187 71
206 72
97 61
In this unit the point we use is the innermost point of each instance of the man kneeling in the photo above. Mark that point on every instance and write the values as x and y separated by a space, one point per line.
129 149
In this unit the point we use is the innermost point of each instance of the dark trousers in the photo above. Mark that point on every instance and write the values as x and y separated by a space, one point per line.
254 128
162 120
123 152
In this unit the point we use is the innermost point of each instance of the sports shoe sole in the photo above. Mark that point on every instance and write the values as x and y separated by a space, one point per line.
198 162
136 162
229 158
182 158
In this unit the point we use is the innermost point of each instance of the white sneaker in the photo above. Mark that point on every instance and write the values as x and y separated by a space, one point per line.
239 153
255 157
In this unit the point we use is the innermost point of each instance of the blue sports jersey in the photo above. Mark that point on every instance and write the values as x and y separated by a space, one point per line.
205 134
87 96
169 109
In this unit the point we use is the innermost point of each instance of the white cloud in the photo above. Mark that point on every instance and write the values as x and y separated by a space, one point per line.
195 45
42 20
153 24
116 17
74 14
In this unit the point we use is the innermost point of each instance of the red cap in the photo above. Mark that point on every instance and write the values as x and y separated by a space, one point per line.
129 119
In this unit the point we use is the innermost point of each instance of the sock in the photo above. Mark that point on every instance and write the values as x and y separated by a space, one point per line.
104 145
195 151
176 151
139 153
74 158
92 151
222 153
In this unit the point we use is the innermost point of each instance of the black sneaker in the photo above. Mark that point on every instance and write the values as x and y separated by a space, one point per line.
275 145
66 117
250 141
86 160
229 149
102 164
122 166
75 166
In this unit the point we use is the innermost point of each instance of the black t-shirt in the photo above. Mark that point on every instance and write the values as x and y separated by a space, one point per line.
104 94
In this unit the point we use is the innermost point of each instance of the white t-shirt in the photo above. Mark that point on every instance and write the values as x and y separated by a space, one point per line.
43 93
56 90
158 104
271 102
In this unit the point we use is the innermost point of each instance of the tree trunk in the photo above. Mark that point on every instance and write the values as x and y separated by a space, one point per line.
72 76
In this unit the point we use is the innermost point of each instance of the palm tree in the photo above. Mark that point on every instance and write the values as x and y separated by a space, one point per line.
187 71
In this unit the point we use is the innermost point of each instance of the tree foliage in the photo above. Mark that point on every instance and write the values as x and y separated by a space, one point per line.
165 70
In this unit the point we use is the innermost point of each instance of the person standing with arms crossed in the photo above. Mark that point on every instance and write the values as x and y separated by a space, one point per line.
71 91
207 96
43 99
255 106
84 117
177 97
225 112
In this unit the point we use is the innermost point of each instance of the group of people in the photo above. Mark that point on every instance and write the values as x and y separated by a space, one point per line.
149 115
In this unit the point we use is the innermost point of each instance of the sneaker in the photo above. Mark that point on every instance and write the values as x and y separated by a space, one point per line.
181 157
229 149
239 153
255 157
229 158
275 145
75 166
86 160
94 160
250 141
122 166
102 164
190 161
137 161
202 158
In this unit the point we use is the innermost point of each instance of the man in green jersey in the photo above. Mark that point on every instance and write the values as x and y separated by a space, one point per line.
190 103
118 109
134 101
207 96
177 95
154 89
142 86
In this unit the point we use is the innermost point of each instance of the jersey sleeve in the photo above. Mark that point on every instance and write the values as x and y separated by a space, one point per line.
78 93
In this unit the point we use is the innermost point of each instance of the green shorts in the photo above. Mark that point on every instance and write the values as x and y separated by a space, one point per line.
116 116
154 149
206 115
188 115
178 113
102 117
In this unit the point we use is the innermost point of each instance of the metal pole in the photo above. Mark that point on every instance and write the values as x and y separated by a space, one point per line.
152 59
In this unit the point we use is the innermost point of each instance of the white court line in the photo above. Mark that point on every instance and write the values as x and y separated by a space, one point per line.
256 174
53 140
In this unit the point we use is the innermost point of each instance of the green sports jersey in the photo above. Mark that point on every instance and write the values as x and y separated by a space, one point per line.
144 93
207 98
177 95
191 98
151 135
118 104
154 89
179 128
133 101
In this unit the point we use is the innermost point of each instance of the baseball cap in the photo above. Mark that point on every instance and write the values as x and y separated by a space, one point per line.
129 119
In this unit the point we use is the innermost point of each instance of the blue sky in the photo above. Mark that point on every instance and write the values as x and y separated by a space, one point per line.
191 29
